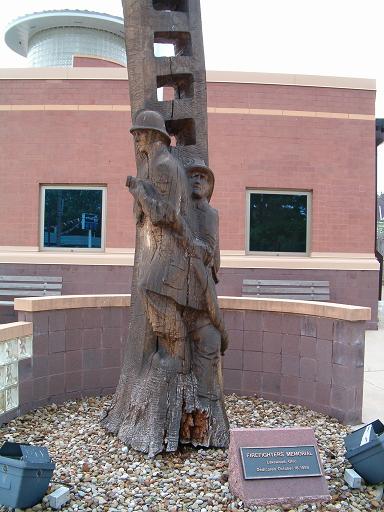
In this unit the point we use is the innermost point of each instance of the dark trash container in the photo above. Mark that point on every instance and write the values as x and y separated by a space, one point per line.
25 472
365 451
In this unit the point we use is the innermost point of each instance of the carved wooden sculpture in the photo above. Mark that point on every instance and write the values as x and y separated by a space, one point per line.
176 22
170 388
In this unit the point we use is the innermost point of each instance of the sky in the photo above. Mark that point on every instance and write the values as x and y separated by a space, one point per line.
310 37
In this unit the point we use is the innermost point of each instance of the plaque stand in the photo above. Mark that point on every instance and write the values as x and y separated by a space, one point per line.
263 490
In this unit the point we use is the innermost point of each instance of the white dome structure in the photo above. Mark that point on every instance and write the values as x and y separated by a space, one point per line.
53 38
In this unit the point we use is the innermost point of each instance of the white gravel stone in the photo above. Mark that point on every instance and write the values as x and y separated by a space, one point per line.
352 479
58 498
104 475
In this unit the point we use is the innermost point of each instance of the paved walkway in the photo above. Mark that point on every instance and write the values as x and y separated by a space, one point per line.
373 398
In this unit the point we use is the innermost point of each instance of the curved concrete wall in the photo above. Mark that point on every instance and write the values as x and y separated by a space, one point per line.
300 352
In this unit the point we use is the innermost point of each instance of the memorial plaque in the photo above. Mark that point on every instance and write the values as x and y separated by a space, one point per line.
276 466
279 462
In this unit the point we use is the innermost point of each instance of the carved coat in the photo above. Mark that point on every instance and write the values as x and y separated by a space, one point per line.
166 270
204 223
186 260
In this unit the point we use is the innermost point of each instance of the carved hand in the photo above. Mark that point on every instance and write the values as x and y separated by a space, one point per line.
131 182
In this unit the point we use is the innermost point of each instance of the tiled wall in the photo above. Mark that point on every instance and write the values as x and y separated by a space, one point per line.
312 361
315 362
76 352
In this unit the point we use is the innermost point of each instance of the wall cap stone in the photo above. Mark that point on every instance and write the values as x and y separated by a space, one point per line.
15 330
243 77
298 307
229 259
35 304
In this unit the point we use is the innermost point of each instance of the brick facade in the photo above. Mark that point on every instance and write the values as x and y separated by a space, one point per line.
261 135
333 158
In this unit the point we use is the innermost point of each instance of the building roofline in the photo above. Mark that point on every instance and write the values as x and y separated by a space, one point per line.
20 30
246 77
99 73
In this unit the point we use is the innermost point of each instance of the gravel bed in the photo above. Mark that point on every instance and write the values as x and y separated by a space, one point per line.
106 476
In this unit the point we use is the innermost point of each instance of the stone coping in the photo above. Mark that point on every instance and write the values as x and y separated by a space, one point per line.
229 259
299 307
243 77
15 330
35 304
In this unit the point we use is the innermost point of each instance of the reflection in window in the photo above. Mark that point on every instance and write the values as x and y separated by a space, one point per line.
278 221
72 217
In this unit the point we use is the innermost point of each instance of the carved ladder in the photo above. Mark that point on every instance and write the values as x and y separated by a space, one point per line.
176 22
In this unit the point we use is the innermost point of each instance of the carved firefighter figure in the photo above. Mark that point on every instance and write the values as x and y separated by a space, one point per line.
170 389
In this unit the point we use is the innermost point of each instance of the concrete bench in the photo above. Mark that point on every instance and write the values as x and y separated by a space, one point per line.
286 289
28 286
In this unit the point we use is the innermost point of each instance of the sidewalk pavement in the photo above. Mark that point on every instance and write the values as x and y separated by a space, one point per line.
373 397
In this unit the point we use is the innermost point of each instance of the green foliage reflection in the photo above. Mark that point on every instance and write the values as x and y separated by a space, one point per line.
278 222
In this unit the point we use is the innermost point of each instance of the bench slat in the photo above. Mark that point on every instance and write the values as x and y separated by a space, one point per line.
279 282
293 297
29 286
28 293
27 279
265 290
286 289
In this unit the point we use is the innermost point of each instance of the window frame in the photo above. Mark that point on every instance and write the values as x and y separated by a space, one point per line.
307 193
45 187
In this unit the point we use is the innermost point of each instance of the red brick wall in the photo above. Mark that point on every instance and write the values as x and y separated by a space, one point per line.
64 147
93 62
288 97
334 158
63 92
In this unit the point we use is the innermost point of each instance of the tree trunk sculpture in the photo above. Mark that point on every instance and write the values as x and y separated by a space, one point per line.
170 389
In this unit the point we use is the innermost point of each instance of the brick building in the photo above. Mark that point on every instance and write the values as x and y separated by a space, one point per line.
301 148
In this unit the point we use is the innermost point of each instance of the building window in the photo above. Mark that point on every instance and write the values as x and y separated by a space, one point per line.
72 217
278 221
